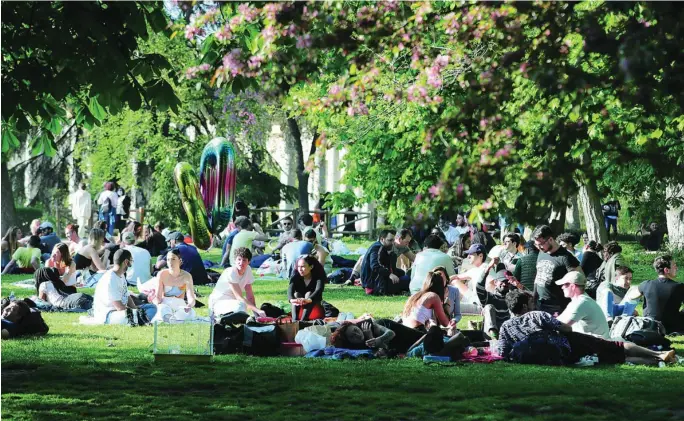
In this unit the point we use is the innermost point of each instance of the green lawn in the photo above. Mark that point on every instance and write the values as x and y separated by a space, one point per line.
85 372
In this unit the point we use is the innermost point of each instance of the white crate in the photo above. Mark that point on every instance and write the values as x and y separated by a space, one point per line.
183 340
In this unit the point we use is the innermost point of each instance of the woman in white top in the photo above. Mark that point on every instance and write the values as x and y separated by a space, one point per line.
51 289
233 291
173 284
420 306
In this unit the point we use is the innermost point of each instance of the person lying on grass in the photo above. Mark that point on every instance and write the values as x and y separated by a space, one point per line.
18 319
233 291
362 335
50 288
559 338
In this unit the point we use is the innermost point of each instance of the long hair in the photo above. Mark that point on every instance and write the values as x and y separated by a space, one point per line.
433 283
317 270
64 251
49 275
339 337
96 236
11 238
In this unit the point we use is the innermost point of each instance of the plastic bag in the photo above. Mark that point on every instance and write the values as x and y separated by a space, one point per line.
339 248
269 267
324 331
309 340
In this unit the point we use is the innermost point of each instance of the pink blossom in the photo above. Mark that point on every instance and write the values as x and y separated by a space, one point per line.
350 111
459 189
254 62
192 31
418 198
269 34
508 132
441 61
248 12
483 123
488 204
523 67
502 153
435 190
232 63
271 10
224 34
304 41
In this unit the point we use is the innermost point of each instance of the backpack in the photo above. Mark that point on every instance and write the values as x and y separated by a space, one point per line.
271 310
260 340
623 326
106 206
541 347
647 338
228 339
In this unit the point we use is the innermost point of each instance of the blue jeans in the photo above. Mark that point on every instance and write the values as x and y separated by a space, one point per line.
150 310
610 222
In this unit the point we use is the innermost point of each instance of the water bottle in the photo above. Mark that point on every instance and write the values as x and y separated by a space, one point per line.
12 297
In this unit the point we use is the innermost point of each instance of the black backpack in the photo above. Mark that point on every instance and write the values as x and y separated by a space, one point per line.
228 339
271 310
260 339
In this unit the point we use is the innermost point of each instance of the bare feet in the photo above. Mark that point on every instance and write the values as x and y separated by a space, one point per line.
668 356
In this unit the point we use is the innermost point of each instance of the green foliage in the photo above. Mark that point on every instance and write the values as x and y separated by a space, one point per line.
64 60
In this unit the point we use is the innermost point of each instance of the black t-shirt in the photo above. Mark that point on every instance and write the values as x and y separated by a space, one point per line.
662 300
591 261
550 268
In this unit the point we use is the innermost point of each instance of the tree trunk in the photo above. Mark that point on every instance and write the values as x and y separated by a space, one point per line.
302 173
557 221
590 202
8 214
674 194
572 214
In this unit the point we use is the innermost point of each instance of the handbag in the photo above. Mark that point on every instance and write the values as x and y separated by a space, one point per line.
287 329
623 326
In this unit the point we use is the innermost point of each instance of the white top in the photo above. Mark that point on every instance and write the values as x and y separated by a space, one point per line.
425 261
113 198
54 297
109 288
140 271
81 203
223 291
587 316
474 273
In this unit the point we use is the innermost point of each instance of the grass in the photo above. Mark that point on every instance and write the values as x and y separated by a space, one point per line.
108 372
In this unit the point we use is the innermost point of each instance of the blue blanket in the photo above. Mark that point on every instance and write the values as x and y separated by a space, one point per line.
333 353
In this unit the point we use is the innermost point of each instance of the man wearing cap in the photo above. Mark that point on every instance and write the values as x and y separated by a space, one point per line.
48 239
467 282
553 263
139 271
191 261
583 314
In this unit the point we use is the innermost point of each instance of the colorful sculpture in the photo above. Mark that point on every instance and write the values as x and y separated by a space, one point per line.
208 201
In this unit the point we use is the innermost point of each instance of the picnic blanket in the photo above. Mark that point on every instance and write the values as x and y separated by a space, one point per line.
26 283
333 353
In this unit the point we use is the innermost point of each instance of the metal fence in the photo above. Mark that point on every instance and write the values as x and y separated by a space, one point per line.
273 227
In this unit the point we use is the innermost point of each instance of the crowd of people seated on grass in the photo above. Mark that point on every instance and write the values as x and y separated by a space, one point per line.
542 300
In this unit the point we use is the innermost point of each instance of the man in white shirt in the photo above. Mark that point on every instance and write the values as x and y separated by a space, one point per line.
583 314
467 282
140 270
233 291
428 259
112 301
81 210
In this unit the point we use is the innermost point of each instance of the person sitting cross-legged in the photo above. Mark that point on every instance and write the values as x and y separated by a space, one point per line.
572 346
173 286
233 291
25 259
305 291
113 303
427 303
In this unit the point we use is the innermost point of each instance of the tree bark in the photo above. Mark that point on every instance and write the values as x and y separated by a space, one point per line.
557 221
302 174
572 214
590 202
674 194
8 213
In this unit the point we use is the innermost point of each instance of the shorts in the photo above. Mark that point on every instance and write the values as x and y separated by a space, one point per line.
608 352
